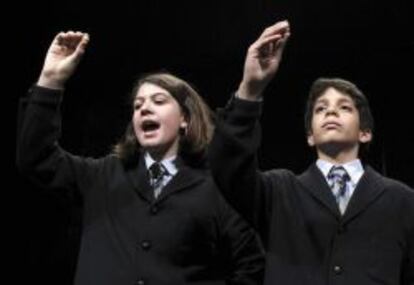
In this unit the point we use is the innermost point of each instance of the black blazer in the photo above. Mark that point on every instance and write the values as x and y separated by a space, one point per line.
307 240
188 235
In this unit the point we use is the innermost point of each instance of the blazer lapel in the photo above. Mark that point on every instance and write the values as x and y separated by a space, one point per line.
139 178
185 178
369 188
314 181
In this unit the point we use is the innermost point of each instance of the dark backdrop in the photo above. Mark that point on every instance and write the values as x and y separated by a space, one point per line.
368 42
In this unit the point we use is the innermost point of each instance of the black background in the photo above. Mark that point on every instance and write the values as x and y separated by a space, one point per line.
368 42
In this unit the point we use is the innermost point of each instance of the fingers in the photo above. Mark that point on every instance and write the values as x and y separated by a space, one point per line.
75 41
269 41
272 40
277 31
281 27
82 44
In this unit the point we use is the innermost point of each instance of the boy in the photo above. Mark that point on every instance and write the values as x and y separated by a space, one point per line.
339 222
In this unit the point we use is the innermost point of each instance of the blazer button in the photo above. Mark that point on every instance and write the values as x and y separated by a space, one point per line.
140 282
341 229
154 210
337 269
145 244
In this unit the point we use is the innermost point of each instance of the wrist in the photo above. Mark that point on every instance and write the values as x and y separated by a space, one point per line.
246 93
50 82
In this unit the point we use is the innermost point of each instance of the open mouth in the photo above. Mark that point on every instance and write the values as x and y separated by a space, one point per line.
150 126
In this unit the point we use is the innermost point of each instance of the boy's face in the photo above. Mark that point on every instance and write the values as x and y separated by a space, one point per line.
157 120
335 121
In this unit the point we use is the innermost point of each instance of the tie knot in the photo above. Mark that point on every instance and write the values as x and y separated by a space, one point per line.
157 170
338 178
338 173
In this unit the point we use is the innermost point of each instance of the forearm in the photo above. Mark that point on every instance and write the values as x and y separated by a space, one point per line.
39 123
233 157
38 153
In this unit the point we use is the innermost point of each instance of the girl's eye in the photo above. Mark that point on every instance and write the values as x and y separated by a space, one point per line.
137 106
159 100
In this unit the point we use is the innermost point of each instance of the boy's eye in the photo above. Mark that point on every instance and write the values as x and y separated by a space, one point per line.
319 109
346 107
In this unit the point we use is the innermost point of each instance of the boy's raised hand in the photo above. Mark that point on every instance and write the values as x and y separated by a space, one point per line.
63 56
262 60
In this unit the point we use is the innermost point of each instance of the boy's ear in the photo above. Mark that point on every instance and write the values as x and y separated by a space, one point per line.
311 141
365 136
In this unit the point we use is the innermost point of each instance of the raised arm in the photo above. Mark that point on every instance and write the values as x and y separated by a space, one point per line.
38 154
237 136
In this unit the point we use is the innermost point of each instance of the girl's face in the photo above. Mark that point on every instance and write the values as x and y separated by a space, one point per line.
157 120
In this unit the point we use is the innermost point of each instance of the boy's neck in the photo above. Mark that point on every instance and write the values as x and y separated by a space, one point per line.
337 155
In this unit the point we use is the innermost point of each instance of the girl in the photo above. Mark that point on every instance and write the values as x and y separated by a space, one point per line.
152 214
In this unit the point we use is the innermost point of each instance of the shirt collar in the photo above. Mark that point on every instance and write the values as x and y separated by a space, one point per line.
354 169
168 163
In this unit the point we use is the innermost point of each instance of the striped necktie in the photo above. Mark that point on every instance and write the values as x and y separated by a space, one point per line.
157 174
338 178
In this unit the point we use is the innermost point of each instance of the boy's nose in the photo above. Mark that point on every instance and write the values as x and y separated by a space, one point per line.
331 111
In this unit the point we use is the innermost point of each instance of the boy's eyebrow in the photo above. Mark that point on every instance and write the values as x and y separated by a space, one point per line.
320 100
346 99
341 100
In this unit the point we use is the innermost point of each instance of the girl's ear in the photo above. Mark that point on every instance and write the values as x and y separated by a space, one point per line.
183 125
183 128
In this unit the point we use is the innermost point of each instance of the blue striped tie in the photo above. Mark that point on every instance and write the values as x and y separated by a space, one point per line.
338 178
157 174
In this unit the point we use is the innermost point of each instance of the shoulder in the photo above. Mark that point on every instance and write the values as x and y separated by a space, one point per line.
402 188
389 183
280 173
106 164
280 176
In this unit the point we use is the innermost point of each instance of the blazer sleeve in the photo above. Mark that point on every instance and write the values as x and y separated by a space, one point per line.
233 162
408 218
38 153
408 271
243 248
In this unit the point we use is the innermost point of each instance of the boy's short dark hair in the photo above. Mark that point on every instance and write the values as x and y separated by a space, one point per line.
347 88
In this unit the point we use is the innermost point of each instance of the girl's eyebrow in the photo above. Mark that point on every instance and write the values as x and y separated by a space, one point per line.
152 95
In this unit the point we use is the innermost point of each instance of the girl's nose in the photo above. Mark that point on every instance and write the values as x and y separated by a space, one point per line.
145 107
